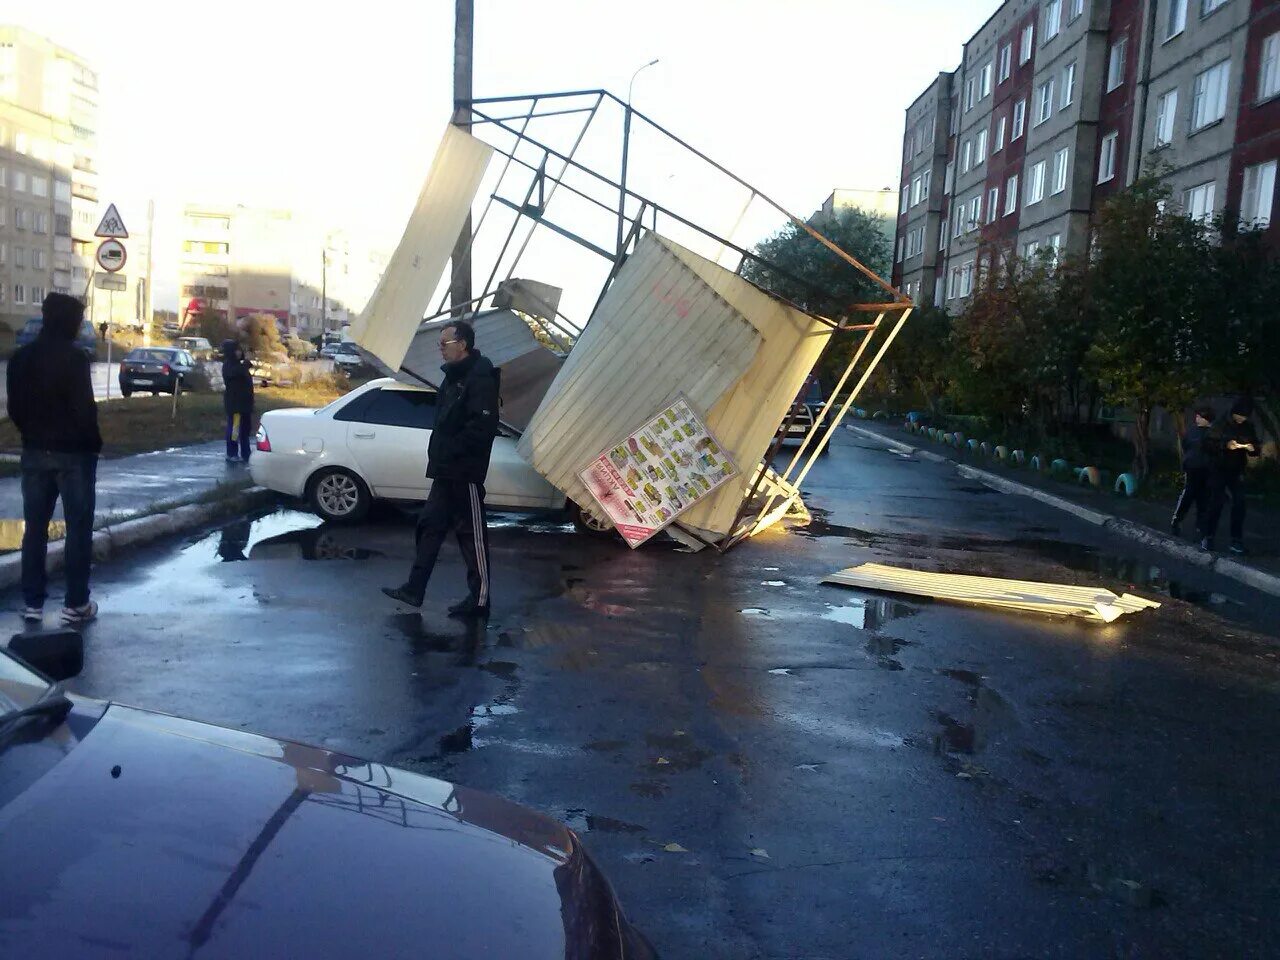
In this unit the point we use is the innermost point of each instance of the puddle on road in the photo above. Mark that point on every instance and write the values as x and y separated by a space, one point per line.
869 613
528 523
991 716
580 821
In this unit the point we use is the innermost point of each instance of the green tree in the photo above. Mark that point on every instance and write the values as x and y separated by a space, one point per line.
214 327
1152 274
917 370
260 334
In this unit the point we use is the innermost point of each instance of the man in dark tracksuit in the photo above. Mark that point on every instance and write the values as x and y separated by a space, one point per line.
237 400
1197 459
457 463
1234 441
51 403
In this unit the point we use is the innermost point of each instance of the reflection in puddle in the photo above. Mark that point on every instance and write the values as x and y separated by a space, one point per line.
992 715
869 613
580 821
528 522
755 612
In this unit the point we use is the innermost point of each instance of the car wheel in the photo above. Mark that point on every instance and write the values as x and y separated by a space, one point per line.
340 495
584 521
125 392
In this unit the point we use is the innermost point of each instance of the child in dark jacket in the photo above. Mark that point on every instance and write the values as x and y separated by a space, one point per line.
1197 462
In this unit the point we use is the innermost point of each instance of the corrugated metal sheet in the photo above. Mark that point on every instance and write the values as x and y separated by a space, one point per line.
674 322
389 320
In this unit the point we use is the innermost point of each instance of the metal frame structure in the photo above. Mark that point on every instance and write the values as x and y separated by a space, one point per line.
509 121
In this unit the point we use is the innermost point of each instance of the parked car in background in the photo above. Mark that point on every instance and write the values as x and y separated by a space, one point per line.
329 349
155 369
198 347
803 414
265 368
130 833
372 445
347 356
86 339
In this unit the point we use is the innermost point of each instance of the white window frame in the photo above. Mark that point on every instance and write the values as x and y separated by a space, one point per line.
999 138
1044 102
39 186
1166 117
1116 62
19 293
1075 10
957 228
20 257
975 212
1068 86
1030 249
1061 168
942 234
970 87
949 177
1258 195
1054 243
966 156
1198 201
1209 95
1019 120
1006 62
20 181
1011 195
1176 22
1026 43
1036 182
1209 6
1107 156
993 204
1269 68
980 148
1052 19
37 258
984 81
966 278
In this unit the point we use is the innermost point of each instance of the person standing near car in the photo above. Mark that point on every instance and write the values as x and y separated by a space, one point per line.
457 464
51 403
237 400
1234 441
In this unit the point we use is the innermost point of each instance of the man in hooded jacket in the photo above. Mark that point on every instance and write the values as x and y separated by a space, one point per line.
51 403
1234 441
457 463
237 400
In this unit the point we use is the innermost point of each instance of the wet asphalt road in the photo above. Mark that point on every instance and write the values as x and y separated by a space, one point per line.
848 775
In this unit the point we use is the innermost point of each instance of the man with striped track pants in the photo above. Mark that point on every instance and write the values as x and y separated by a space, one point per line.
457 463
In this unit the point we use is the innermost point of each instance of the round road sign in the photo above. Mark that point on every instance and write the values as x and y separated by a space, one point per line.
111 255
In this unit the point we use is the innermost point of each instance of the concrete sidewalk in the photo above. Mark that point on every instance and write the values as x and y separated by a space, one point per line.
1140 520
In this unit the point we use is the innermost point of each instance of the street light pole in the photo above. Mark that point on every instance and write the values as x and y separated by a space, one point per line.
626 147
463 46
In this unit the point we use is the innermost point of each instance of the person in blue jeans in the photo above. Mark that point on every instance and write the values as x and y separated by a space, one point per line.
51 403
237 400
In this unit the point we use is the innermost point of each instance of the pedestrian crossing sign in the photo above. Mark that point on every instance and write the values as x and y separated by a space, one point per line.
112 225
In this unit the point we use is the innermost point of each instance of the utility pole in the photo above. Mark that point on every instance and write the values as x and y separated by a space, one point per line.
463 45
147 303
324 291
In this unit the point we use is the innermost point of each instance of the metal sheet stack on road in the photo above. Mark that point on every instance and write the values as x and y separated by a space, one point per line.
1028 596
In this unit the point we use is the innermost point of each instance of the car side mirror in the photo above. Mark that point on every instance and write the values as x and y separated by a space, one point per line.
57 654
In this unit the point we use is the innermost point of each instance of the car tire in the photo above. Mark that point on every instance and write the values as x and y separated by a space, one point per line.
339 495
584 521
126 392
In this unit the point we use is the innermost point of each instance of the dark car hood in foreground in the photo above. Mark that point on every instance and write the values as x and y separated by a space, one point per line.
161 837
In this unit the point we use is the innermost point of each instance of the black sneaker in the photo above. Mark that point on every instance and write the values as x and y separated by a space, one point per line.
1237 546
469 608
403 595
1206 544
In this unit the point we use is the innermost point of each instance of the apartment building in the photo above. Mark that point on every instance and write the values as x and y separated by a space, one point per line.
1057 104
877 203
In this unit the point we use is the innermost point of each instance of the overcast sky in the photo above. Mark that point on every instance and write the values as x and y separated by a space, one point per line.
334 110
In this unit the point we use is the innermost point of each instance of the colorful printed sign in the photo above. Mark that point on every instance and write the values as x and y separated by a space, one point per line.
658 472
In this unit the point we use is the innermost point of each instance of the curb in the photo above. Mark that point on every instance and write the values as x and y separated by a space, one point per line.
109 539
1233 569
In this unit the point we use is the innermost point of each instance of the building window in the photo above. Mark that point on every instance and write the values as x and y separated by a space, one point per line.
1030 249
984 81
1198 201
1077 8
22 143
1208 6
970 87
1028 39
1019 120
937 291
953 118
993 204
1035 185
949 177
966 279
1268 76
1259 192
1006 61
1052 19
958 226
37 294
966 156
20 218
1209 95
1177 18
915 191
1011 195
902 208
942 235
62 190
1054 244
975 212
999 145
4 256
19 293
1068 85
924 184
4 180
1115 63
900 246
39 186
1107 157
1060 164
19 256
40 223
980 148
1044 107
37 259
19 181
1166 112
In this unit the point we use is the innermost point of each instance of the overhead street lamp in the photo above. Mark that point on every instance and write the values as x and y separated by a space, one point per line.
626 144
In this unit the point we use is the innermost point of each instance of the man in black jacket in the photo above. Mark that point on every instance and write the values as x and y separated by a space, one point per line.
1197 461
237 400
1234 441
51 403
457 463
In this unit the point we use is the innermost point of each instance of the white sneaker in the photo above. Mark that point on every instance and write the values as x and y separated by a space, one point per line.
32 614
80 614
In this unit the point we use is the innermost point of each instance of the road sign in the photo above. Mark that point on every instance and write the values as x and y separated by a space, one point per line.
112 225
111 255
110 281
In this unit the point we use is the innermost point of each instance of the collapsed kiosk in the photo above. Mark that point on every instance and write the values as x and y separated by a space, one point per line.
666 409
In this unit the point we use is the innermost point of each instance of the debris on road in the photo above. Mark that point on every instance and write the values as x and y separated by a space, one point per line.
1028 596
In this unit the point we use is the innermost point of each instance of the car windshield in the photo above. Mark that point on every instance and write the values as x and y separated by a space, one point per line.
164 356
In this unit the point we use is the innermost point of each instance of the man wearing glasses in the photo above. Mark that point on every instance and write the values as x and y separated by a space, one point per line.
457 462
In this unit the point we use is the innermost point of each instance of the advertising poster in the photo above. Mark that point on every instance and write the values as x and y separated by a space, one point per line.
658 472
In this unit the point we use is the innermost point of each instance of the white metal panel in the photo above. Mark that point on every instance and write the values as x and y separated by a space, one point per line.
389 320
659 331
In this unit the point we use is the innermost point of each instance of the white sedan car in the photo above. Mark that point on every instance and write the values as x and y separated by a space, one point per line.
372 444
